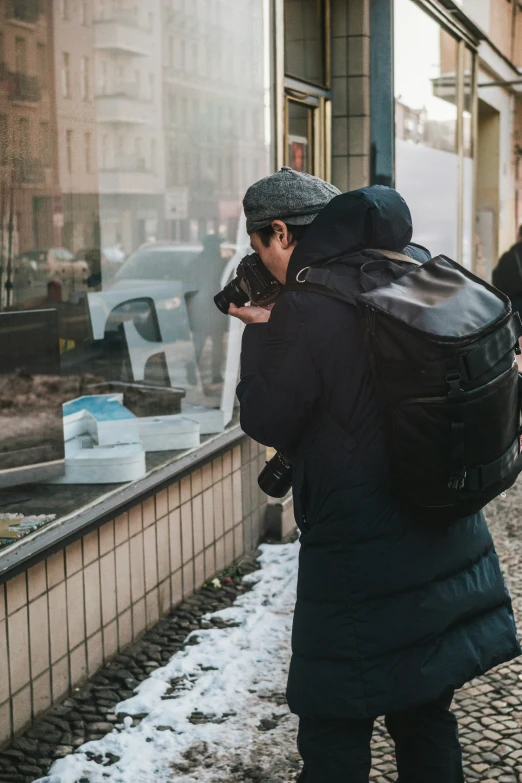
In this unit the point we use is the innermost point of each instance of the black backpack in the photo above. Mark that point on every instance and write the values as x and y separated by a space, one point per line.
442 346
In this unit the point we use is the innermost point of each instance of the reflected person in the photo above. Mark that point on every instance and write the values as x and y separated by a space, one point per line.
205 321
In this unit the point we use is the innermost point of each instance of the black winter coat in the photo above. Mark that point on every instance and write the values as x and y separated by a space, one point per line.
390 612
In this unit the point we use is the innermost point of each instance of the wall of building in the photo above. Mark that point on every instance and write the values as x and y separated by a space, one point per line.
517 42
65 617
518 158
350 93
502 101
501 25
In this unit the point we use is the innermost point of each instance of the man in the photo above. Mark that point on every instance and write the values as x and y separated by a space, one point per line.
392 615
507 275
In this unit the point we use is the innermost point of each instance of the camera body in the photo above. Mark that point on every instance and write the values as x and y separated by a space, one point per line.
253 283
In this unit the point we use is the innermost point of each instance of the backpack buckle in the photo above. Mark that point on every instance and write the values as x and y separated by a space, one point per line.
457 482
453 380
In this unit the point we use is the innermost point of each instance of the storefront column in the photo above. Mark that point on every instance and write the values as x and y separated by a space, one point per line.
350 93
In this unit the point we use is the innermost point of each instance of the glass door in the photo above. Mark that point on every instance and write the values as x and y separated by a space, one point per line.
300 136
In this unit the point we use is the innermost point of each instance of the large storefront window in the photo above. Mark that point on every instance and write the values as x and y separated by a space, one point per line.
433 130
305 52
426 169
129 131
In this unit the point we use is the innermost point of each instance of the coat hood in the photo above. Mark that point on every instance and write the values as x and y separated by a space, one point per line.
373 217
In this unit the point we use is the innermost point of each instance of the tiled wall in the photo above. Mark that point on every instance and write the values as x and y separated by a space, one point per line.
66 616
350 93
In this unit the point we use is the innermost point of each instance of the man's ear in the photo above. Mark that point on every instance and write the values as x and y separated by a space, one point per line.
282 233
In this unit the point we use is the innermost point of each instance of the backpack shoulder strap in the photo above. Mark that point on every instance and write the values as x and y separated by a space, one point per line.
324 280
393 256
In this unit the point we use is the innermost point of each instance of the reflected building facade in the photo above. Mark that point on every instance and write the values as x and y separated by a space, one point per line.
76 207
129 134
213 92
29 180
128 98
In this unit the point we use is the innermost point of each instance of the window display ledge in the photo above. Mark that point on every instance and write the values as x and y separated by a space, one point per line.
28 551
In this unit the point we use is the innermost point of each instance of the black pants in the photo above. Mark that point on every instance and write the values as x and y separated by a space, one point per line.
426 739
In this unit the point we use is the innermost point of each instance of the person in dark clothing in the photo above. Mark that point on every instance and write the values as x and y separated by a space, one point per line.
205 275
507 275
392 615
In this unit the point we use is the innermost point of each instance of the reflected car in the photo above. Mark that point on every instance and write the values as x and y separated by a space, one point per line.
152 265
55 263
103 264
28 267
158 261
62 265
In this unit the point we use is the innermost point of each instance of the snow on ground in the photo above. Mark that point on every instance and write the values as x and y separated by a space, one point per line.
234 677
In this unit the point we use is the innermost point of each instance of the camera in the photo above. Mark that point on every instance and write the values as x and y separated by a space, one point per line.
276 477
253 283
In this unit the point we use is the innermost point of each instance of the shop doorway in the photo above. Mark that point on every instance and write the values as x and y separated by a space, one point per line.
487 198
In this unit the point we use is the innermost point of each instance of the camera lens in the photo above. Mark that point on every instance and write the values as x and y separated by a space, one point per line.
276 477
231 294
222 303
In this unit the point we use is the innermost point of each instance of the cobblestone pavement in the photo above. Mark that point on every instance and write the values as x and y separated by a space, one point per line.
489 709
88 713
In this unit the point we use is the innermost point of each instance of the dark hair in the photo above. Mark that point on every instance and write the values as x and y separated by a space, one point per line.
520 231
267 232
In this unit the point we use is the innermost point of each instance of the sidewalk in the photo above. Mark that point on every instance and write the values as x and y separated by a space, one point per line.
215 711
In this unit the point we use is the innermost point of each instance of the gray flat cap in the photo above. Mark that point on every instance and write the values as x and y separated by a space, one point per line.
288 195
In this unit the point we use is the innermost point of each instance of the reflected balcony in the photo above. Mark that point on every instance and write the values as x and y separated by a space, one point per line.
121 34
23 11
128 175
22 87
125 89
29 171
127 163
123 109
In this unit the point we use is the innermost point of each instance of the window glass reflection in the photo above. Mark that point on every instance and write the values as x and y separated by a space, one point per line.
467 124
425 66
300 136
130 131
304 40
425 95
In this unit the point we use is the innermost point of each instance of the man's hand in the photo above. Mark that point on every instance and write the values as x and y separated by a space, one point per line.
251 314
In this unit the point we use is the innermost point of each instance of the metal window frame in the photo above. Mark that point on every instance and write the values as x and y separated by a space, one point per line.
35 547
453 20
474 149
463 48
